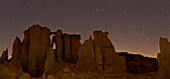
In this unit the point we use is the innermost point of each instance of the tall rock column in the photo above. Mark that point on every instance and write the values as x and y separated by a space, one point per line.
24 51
33 53
16 50
112 62
164 59
59 45
66 47
86 56
75 44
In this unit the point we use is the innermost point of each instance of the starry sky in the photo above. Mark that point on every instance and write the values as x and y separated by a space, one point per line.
134 25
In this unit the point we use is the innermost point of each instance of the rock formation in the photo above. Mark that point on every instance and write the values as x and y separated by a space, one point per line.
4 57
99 54
33 52
37 58
112 62
71 44
67 47
24 51
75 44
59 45
50 63
16 53
164 59
138 64
86 56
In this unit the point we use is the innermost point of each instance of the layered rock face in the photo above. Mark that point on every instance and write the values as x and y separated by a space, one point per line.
33 52
100 53
164 59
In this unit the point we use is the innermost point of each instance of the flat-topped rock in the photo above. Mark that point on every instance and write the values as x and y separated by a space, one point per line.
33 52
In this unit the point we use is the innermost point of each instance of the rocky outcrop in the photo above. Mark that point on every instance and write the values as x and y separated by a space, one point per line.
138 64
112 62
24 51
36 56
59 45
71 44
4 57
24 76
50 63
33 52
16 50
66 47
163 59
5 73
99 54
75 44
86 56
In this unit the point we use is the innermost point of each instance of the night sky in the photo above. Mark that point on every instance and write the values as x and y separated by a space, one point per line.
133 25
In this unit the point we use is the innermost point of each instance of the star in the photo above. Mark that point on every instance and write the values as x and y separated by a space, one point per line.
31 6
143 34
147 39
97 10
167 14
125 12
102 9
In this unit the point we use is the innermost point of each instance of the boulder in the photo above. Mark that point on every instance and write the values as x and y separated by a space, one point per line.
35 45
5 73
66 70
163 59
50 63
24 76
50 77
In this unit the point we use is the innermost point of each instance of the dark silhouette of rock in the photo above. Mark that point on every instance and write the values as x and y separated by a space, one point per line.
35 45
112 62
59 45
16 50
50 63
75 44
71 44
67 47
99 54
138 64
164 59
86 56
24 51
4 57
